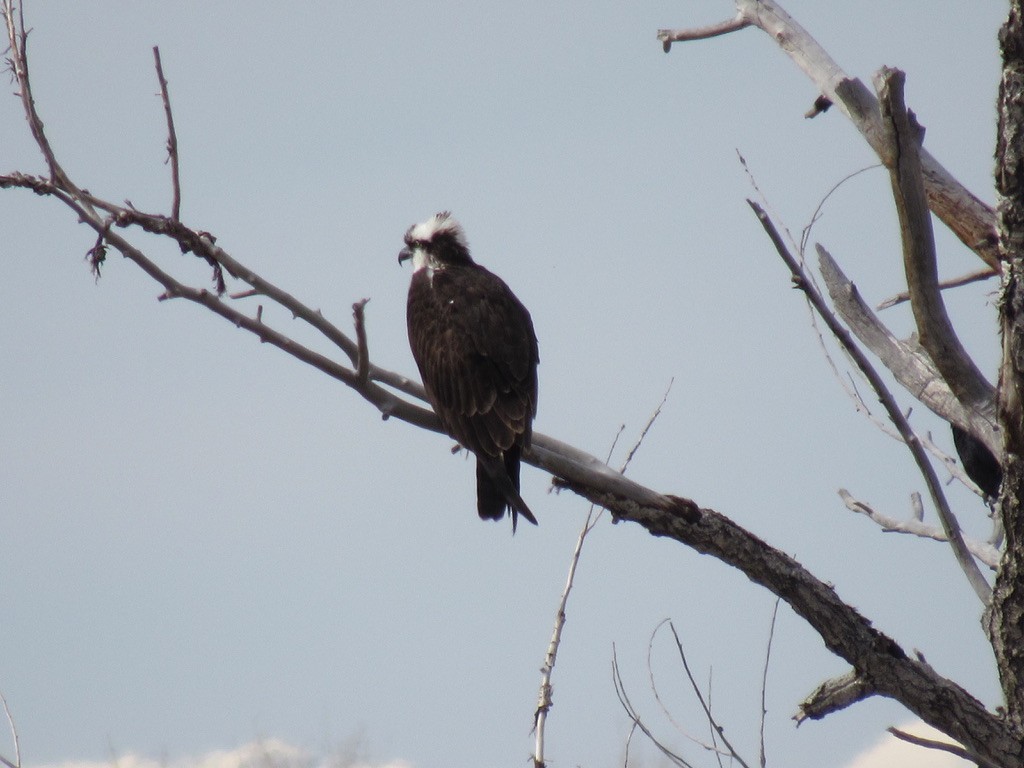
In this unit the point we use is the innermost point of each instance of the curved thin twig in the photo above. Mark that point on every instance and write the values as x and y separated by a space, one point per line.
718 729
14 736
634 716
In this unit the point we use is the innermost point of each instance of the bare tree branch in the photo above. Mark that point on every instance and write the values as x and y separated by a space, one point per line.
955 282
985 552
936 700
669 36
906 360
934 327
544 701
634 716
18 39
362 348
764 683
805 235
953 749
652 681
969 218
717 729
949 521
172 139
14 736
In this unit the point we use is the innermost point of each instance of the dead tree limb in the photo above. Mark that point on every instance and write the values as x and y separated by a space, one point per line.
967 217
983 551
949 522
954 282
906 359
934 328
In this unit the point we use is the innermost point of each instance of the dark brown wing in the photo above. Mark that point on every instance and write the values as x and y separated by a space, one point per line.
475 346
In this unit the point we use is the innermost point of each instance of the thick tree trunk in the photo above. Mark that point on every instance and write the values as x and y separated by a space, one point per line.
1007 610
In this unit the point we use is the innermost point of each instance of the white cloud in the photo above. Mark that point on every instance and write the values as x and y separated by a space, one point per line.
890 751
265 753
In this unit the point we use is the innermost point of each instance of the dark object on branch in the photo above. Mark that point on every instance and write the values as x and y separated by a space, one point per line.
474 344
979 463
821 104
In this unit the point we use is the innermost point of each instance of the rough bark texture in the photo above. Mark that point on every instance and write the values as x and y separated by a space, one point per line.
1007 614
878 660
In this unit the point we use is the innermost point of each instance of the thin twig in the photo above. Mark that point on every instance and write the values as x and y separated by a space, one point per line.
713 747
18 39
627 705
714 737
544 697
172 138
842 335
650 422
764 679
14 735
943 746
718 729
805 235
629 740
821 105
363 358
544 700
956 282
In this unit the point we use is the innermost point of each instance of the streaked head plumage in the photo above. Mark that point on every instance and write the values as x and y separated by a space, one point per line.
440 225
436 243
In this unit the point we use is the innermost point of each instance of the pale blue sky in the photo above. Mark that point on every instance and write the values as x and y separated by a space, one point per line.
205 542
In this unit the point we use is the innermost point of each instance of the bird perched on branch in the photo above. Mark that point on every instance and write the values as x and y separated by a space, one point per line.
474 344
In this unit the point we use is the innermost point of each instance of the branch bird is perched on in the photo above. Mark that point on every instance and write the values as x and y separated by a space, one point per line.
474 344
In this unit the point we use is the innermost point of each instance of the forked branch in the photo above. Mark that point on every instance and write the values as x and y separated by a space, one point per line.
949 521
967 217
934 328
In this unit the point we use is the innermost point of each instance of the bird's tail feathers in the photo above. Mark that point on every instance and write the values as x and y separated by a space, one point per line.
497 489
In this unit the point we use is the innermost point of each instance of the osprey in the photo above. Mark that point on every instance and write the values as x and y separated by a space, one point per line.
474 344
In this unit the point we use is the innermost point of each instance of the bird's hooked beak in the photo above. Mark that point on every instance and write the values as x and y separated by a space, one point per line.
404 255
